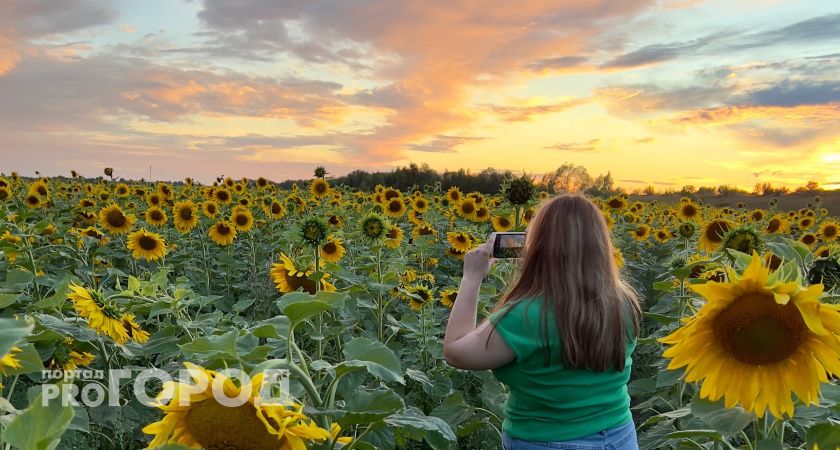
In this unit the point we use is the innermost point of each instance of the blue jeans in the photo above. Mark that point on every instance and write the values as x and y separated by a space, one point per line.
622 437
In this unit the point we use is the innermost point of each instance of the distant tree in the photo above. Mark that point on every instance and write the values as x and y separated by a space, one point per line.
603 186
568 178
649 190
320 172
811 186
688 189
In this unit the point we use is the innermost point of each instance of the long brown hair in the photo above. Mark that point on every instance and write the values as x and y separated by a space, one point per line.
568 262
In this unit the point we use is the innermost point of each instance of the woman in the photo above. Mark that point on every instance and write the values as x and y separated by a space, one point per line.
561 338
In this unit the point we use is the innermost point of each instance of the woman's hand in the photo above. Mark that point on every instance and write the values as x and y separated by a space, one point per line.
477 262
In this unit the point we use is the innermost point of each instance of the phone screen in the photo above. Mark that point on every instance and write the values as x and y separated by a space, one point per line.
508 245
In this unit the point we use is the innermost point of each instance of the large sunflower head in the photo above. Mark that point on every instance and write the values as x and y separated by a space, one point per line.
313 231
374 227
502 223
242 219
222 195
102 315
156 216
460 240
742 239
689 211
319 188
829 230
713 234
196 417
777 224
453 195
758 338
33 200
114 220
333 249
210 209
222 233
147 245
394 207
394 237
641 232
466 208
276 210
419 296
288 278
448 296
185 216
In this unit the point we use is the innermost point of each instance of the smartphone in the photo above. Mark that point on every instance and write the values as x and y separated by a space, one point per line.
508 244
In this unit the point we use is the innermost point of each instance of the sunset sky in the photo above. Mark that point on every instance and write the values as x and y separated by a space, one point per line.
661 92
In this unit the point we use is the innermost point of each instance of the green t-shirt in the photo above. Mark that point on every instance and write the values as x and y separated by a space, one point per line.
554 402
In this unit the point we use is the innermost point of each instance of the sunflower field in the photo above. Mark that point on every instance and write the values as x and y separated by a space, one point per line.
347 293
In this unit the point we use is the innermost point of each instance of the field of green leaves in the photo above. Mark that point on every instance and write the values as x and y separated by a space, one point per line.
347 293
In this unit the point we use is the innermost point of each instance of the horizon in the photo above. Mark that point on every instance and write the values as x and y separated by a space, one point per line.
657 92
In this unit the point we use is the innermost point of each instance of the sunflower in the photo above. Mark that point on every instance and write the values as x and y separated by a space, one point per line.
276 210
617 203
663 235
455 253
33 200
394 237
829 230
448 296
210 209
184 216
806 222
394 207
194 417
156 216
374 227
618 258
132 328
10 362
757 339
502 223
743 240
460 240
222 233
103 317
686 230
454 195
689 211
222 195
319 188
332 250
147 245
757 215
482 214
777 224
114 220
466 208
67 357
154 199
5 193
122 190
420 205
528 214
808 239
241 219
313 231
641 232
288 278
423 229
712 234
390 193
419 297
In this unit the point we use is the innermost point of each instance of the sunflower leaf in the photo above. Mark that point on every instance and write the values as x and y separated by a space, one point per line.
39 427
